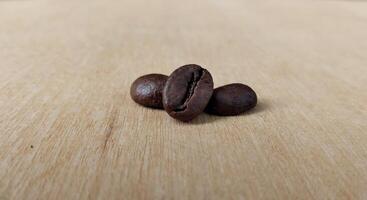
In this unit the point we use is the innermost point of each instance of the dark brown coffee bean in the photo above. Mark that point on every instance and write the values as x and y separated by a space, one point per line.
232 99
147 90
187 92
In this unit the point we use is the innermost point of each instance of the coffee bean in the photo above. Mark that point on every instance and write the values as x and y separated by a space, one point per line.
232 99
187 92
147 90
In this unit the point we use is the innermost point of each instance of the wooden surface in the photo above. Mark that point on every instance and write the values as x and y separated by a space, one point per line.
69 129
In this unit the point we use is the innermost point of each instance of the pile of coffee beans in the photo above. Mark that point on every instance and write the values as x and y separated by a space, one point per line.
188 91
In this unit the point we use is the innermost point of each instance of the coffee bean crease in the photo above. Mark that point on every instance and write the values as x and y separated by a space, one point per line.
196 77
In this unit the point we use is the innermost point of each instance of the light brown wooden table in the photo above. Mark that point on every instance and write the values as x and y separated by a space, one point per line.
69 130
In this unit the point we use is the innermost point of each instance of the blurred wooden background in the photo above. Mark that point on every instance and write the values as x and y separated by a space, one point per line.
69 130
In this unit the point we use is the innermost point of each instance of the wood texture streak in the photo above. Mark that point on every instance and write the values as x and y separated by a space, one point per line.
69 130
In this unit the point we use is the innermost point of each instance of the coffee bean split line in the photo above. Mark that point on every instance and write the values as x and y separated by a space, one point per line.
188 91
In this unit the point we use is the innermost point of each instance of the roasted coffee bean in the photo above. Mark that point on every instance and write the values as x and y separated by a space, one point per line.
147 90
232 99
187 92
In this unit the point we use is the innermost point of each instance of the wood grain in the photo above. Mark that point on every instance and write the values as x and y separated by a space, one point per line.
69 129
